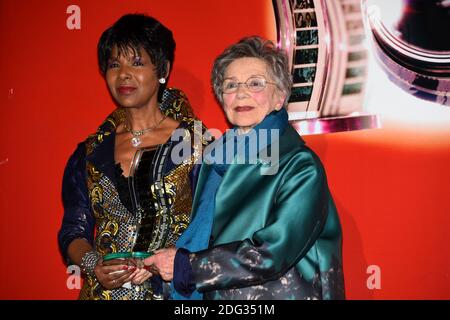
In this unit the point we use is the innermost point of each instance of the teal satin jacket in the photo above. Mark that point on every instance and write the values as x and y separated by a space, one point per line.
273 236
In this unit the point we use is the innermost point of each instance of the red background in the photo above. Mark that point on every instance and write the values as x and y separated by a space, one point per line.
390 184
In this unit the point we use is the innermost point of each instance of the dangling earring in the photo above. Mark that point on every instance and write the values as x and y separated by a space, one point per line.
162 80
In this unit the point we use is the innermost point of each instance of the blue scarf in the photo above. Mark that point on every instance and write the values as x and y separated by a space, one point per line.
197 235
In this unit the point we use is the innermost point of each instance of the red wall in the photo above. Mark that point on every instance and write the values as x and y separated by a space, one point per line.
390 184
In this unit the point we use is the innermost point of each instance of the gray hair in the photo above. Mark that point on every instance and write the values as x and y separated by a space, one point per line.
254 47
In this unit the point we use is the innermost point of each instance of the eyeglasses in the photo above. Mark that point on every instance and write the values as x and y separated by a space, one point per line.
253 84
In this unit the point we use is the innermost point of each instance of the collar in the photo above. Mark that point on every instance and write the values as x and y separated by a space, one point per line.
100 145
242 148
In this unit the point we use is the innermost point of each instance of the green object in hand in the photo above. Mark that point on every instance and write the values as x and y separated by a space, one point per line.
126 255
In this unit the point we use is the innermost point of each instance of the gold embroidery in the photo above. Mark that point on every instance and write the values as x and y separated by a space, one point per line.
115 226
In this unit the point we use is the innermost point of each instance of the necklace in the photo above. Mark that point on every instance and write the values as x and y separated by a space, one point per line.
136 140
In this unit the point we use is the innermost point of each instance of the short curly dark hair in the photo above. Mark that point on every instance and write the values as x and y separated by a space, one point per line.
135 32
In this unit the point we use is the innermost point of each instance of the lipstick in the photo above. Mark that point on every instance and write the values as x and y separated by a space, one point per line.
243 108
125 90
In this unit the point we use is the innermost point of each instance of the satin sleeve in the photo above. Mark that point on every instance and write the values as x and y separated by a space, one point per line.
78 220
295 222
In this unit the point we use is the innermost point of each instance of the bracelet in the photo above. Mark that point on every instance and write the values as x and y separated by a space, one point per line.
89 261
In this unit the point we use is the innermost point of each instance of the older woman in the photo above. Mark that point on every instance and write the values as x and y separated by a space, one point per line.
273 230
122 192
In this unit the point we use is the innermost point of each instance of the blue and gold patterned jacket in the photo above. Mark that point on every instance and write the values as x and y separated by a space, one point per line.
93 209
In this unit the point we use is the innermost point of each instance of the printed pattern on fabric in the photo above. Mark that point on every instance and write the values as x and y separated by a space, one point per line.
117 229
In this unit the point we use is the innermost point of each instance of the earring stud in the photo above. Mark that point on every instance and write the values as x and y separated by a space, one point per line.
162 80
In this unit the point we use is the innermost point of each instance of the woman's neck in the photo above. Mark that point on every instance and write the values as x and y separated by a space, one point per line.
243 130
145 117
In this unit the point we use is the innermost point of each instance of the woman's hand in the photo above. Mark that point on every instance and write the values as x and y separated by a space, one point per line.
140 275
162 262
114 273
